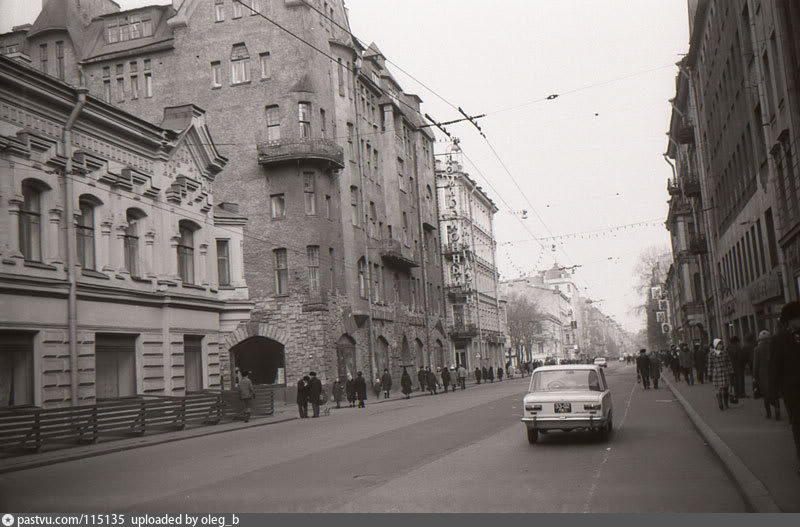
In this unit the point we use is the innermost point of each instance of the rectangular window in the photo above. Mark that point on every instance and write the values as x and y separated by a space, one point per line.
322 121
263 60
760 238
354 206
112 32
401 174
304 117
313 268
115 366
16 369
362 278
756 265
134 87
773 246
309 196
219 11
237 9
120 89
60 59
332 270
340 78
769 87
132 246
43 58
223 263
216 74
281 272
327 207
750 266
84 233
278 206
107 91
147 27
193 362
273 124
136 27
240 71
186 255
351 147
148 79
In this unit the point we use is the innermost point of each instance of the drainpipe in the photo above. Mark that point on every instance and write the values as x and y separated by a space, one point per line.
72 300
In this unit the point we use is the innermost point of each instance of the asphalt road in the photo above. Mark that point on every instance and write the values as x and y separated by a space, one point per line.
459 452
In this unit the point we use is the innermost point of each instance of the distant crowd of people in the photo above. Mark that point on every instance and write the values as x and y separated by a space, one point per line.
773 361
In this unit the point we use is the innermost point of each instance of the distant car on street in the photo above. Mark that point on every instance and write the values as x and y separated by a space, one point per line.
566 398
601 361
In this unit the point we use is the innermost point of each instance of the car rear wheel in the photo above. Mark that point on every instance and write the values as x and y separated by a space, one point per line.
605 432
533 435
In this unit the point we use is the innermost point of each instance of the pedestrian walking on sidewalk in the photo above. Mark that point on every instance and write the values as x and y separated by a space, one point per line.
350 390
430 381
446 378
462 377
700 360
477 375
491 374
360 386
499 374
748 352
315 393
386 383
736 354
338 392
405 383
720 371
421 377
247 394
761 375
655 370
643 368
302 396
485 374
784 367
687 362
675 363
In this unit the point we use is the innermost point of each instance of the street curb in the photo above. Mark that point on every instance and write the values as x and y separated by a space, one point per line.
755 493
206 431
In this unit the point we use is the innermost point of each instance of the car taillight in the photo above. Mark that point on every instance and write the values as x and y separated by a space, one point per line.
533 407
592 406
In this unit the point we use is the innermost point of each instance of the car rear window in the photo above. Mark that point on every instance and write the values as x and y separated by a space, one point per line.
563 380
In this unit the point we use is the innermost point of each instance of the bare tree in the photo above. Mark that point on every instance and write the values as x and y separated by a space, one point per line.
524 323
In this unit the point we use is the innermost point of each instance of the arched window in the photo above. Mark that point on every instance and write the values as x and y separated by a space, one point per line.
362 278
30 222
133 217
84 234
186 252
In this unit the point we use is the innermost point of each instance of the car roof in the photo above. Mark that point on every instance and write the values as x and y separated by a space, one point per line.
567 367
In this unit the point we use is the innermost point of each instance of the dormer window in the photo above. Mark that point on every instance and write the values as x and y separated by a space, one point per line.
125 28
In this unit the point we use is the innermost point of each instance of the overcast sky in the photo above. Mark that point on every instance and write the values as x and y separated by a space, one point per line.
587 160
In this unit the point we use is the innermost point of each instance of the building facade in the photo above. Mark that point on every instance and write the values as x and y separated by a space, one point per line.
476 319
734 130
327 160
120 275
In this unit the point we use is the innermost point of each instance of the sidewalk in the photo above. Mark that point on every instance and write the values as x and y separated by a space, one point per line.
283 412
765 447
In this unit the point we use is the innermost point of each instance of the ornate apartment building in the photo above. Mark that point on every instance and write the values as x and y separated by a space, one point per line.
476 316
327 160
733 137
119 276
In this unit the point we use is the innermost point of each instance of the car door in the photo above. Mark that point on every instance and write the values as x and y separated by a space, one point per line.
606 401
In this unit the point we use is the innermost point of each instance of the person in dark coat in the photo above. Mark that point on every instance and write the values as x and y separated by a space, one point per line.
446 378
499 374
338 392
686 359
700 360
720 371
736 354
675 363
302 396
784 367
761 375
485 374
477 375
643 368
491 373
386 383
406 384
247 394
350 390
421 376
430 381
655 370
360 387
314 392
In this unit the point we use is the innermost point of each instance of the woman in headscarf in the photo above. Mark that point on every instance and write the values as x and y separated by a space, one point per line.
761 375
720 370
406 384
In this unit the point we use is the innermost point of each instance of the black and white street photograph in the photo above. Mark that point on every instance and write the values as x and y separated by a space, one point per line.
418 257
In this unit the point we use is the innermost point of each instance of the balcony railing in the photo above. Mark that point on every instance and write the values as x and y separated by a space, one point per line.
686 135
673 189
679 206
698 244
393 252
463 331
296 149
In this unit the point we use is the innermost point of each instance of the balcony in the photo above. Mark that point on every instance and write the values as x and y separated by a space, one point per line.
686 135
463 331
691 187
698 244
679 206
394 253
288 150
673 189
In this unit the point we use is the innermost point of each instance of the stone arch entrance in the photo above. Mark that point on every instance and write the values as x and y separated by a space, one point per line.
381 356
419 354
439 351
406 358
346 357
264 357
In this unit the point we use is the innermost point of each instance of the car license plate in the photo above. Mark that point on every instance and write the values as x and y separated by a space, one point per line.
563 408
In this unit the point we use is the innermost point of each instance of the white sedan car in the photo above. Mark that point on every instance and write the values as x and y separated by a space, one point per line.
568 397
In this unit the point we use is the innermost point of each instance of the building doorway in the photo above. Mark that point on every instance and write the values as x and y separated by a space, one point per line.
263 357
346 357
